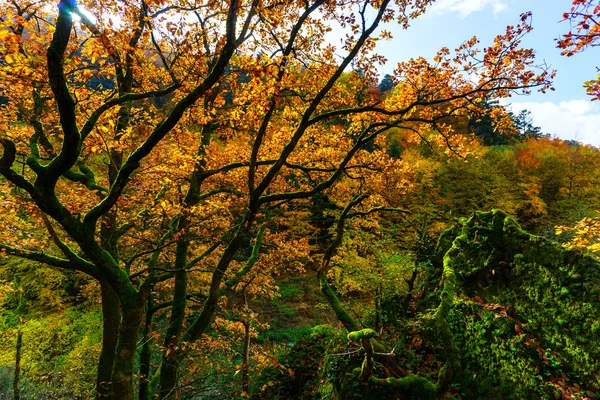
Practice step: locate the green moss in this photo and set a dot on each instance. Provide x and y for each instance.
(362, 334)
(59, 354)
(415, 386)
(290, 291)
(551, 291)
(440, 318)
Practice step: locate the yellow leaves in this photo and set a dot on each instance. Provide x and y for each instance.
(594, 248)
(385, 35)
(537, 206)
(585, 235)
(6, 288)
(4, 33)
(267, 385)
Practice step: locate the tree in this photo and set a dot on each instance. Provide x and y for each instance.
(158, 200)
(584, 17)
(585, 235)
(386, 84)
(483, 125)
(524, 125)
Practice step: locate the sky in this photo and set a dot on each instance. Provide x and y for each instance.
(567, 112)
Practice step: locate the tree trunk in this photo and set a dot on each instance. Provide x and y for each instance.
(111, 319)
(246, 358)
(122, 376)
(334, 302)
(409, 292)
(16, 392)
(378, 295)
(170, 361)
(145, 354)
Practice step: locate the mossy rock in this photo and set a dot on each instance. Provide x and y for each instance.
(551, 291)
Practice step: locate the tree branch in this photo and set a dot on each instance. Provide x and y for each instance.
(164, 127)
(304, 123)
(71, 145)
(83, 265)
(41, 257)
(251, 261)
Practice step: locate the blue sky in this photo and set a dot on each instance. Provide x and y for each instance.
(567, 112)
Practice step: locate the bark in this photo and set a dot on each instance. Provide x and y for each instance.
(330, 295)
(111, 312)
(16, 392)
(334, 302)
(250, 262)
(146, 353)
(111, 319)
(367, 367)
(364, 336)
(147, 384)
(246, 358)
(409, 292)
(170, 361)
(122, 377)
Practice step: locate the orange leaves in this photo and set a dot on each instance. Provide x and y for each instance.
(585, 29)
(506, 59)
(584, 32)
(263, 102)
(20, 225)
(534, 205)
(462, 81)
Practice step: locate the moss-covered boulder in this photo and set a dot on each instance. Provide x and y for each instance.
(526, 315)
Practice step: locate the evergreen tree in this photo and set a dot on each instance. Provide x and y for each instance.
(386, 84)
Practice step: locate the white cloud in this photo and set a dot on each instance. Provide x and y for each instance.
(499, 6)
(577, 107)
(466, 7)
(570, 120)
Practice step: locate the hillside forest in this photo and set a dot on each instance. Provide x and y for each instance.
(207, 199)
